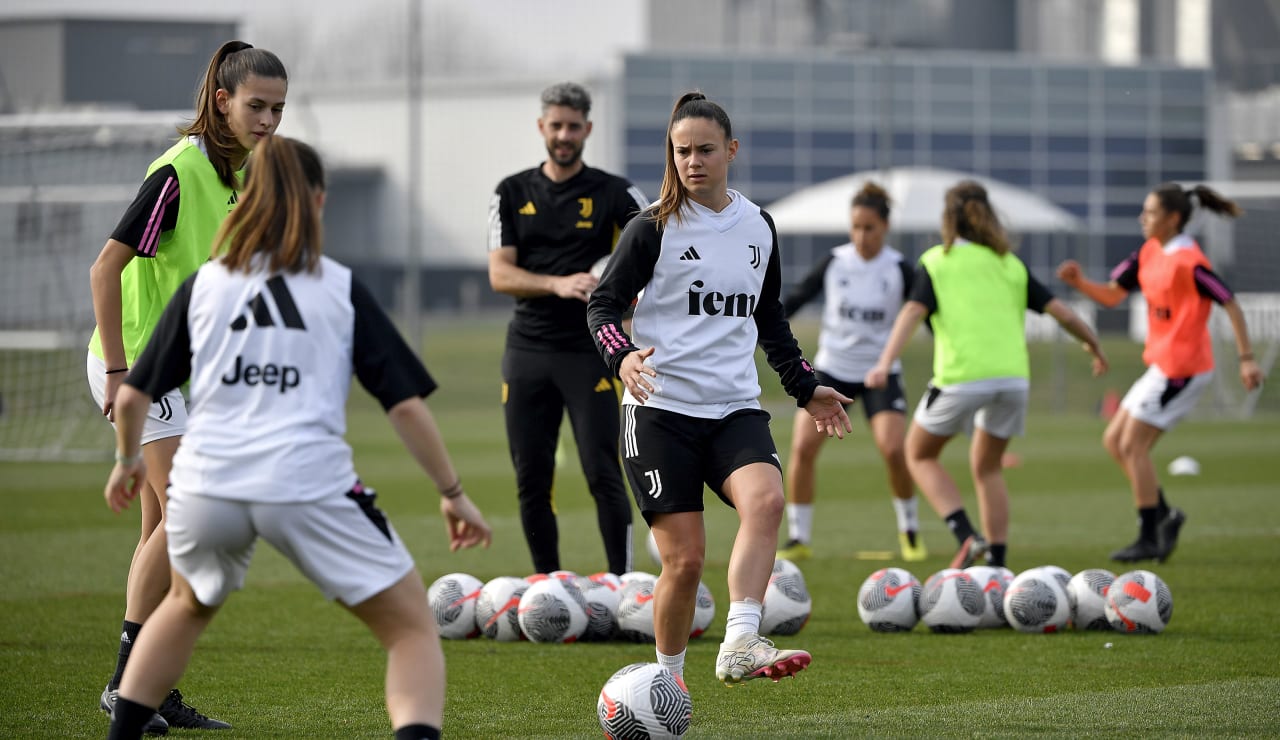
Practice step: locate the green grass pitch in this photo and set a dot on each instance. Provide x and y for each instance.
(281, 662)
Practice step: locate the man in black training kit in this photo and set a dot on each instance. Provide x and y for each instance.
(547, 227)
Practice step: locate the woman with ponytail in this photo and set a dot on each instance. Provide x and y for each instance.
(269, 335)
(864, 283)
(704, 262)
(163, 237)
(975, 293)
(1180, 288)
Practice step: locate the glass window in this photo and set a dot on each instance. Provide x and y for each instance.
(1066, 79)
(1015, 143)
(953, 160)
(1126, 178)
(1133, 116)
(654, 138)
(771, 71)
(773, 138)
(1080, 210)
(846, 108)
(644, 66)
(645, 169)
(1125, 145)
(1068, 177)
(956, 76)
(833, 73)
(1067, 144)
(950, 142)
(1186, 82)
(1014, 175)
(833, 139)
(1122, 210)
(1068, 116)
(773, 173)
(824, 172)
(1170, 175)
(1185, 146)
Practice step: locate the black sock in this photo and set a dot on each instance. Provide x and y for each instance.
(1148, 517)
(958, 523)
(1162, 506)
(128, 719)
(418, 732)
(995, 555)
(128, 636)
(911, 537)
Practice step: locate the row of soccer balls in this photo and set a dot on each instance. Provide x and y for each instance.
(566, 607)
(1043, 599)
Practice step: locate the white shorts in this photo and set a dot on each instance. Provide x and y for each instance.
(997, 407)
(342, 543)
(1161, 401)
(166, 417)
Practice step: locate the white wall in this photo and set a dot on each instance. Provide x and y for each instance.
(473, 135)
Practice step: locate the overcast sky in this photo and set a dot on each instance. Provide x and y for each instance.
(345, 42)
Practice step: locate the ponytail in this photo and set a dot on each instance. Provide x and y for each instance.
(967, 214)
(673, 195)
(277, 215)
(230, 66)
(1173, 198)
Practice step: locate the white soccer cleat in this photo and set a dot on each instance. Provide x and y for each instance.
(752, 656)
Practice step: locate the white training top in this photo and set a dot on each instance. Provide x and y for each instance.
(270, 359)
(862, 300)
(710, 294)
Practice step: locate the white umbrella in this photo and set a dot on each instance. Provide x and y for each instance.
(916, 198)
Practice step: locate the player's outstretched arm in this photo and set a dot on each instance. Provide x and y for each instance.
(1251, 374)
(1075, 326)
(416, 426)
(908, 320)
(1108, 294)
(130, 472)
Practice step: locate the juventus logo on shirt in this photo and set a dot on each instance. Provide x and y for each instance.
(755, 255)
(261, 312)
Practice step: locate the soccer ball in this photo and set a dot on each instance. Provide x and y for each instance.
(452, 599)
(602, 608)
(889, 600)
(553, 610)
(1062, 575)
(991, 581)
(1139, 602)
(607, 578)
(1036, 601)
(1087, 595)
(951, 602)
(704, 610)
(787, 605)
(497, 609)
(635, 611)
(644, 700)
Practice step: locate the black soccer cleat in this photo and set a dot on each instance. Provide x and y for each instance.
(1167, 532)
(154, 726)
(1140, 550)
(181, 714)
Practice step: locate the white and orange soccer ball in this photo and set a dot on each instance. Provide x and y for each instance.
(889, 600)
(787, 604)
(992, 582)
(1087, 594)
(951, 602)
(553, 610)
(452, 599)
(1139, 602)
(635, 610)
(1036, 601)
(498, 608)
(644, 700)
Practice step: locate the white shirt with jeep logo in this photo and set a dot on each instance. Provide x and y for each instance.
(270, 358)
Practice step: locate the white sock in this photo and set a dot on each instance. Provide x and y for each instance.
(673, 663)
(744, 619)
(800, 522)
(908, 514)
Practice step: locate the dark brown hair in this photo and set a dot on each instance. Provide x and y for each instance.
(672, 195)
(1173, 198)
(277, 214)
(874, 197)
(230, 66)
(968, 215)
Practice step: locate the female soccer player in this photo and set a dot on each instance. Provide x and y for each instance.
(1180, 288)
(269, 335)
(975, 293)
(864, 283)
(169, 227)
(707, 261)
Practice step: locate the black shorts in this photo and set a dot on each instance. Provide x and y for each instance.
(874, 400)
(669, 456)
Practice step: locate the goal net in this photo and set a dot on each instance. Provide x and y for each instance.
(64, 183)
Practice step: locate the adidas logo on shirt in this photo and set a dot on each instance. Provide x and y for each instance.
(261, 312)
(603, 385)
(690, 254)
(233, 199)
(527, 209)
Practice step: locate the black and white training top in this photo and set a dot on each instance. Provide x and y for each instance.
(710, 294)
(270, 359)
(862, 299)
